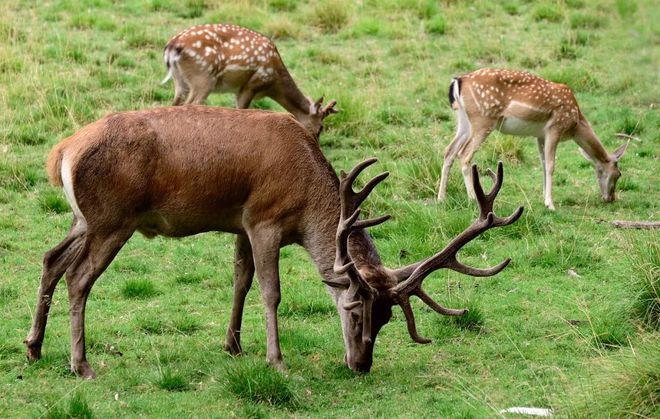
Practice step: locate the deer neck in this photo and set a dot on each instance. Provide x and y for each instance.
(589, 142)
(290, 97)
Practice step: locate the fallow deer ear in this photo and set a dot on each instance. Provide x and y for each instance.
(342, 282)
(585, 155)
(330, 109)
(316, 107)
(619, 152)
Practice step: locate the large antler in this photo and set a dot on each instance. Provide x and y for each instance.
(348, 222)
(447, 257)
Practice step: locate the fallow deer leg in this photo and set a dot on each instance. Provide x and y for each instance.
(181, 89)
(266, 251)
(201, 86)
(549, 153)
(243, 274)
(473, 143)
(452, 150)
(540, 142)
(96, 255)
(55, 263)
(244, 98)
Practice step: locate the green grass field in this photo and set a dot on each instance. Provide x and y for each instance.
(570, 325)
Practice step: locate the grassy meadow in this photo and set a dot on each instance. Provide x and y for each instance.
(571, 324)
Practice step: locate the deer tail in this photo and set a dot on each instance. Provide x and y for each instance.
(454, 92)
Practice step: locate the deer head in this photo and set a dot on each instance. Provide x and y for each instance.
(313, 120)
(365, 296)
(607, 171)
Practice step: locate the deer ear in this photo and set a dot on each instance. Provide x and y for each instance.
(585, 155)
(342, 282)
(351, 306)
(619, 152)
(316, 106)
(330, 109)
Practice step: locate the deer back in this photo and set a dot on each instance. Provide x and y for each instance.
(184, 170)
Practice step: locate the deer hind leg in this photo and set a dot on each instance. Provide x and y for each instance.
(201, 85)
(451, 151)
(181, 88)
(549, 153)
(472, 144)
(96, 255)
(56, 261)
(265, 243)
(243, 274)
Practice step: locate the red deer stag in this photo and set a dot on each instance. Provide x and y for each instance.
(180, 171)
(520, 103)
(230, 58)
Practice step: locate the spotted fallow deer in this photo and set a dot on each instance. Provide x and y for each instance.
(230, 58)
(180, 171)
(522, 104)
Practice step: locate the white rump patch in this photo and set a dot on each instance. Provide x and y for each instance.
(67, 182)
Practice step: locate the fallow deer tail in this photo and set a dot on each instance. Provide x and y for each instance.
(454, 92)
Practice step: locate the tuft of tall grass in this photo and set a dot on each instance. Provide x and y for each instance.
(579, 79)
(473, 320)
(193, 9)
(548, 12)
(436, 25)
(76, 408)
(645, 259)
(626, 8)
(259, 383)
(625, 384)
(281, 27)
(332, 16)
(172, 381)
(507, 148)
(52, 201)
(138, 289)
(587, 21)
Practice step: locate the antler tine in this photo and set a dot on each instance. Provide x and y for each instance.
(486, 200)
(410, 321)
(419, 292)
(447, 257)
(350, 201)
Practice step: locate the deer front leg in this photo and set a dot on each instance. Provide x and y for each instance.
(243, 274)
(550, 151)
(266, 252)
(540, 142)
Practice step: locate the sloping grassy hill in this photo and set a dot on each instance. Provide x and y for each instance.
(563, 326)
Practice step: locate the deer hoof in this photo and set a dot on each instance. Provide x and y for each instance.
(33, 352)
(83, 370)
(278, 364)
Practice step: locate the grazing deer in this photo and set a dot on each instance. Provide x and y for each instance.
(230, 58)
(520, 103)
(180, 171)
